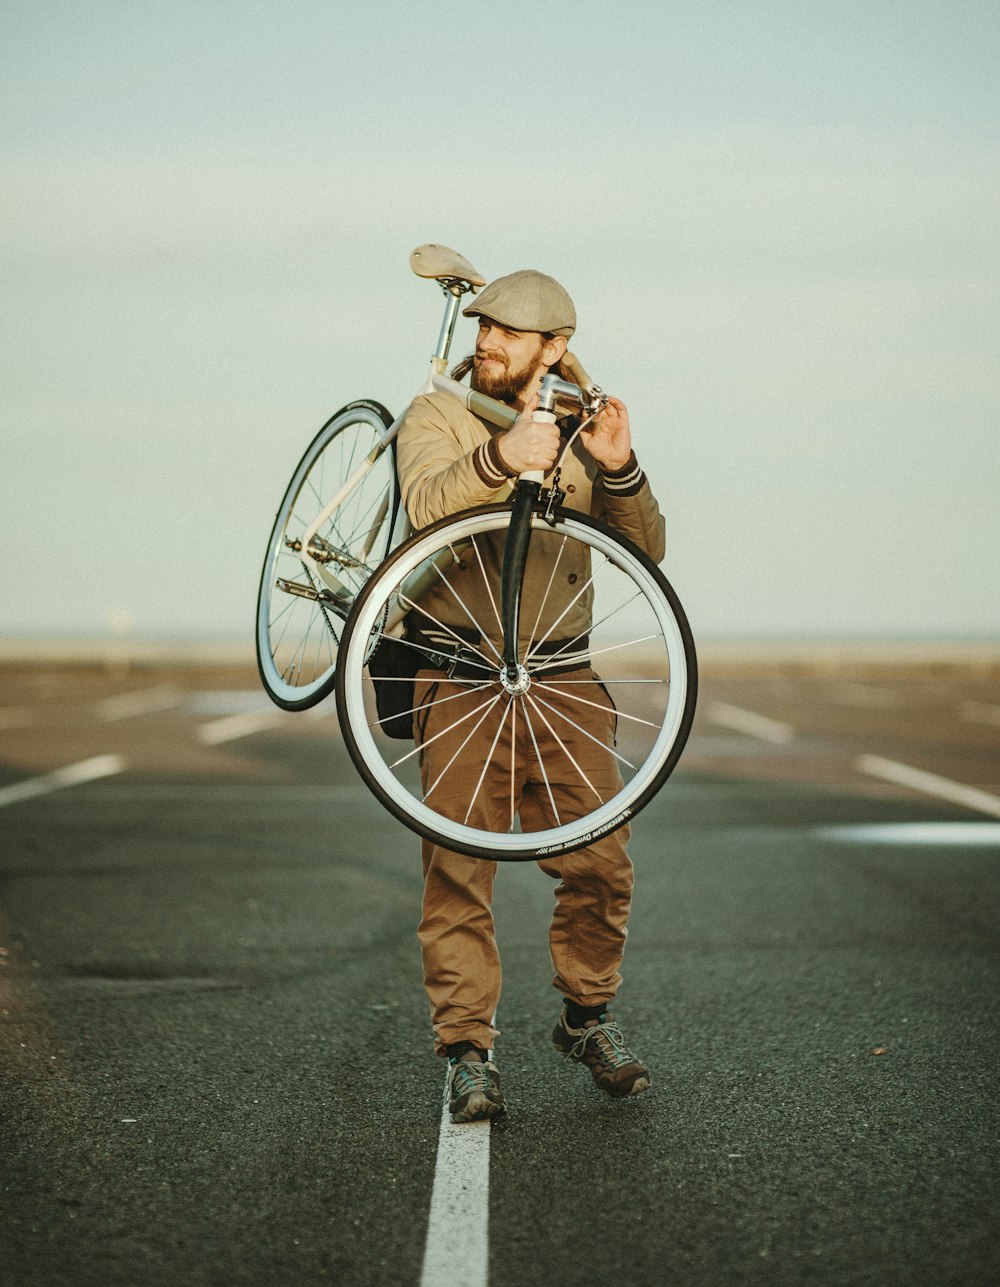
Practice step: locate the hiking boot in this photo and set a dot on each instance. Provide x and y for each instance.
(600, 1045)
(473, 1089)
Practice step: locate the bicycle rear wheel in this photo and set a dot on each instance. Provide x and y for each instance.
(302, 605)
(532, 769)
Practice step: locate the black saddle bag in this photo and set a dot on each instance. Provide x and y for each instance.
(394, 664)
(393, 668)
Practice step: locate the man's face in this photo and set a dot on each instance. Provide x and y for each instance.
(506, 363)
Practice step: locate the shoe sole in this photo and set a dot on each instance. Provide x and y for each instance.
(641, 1083)
(477, 1110)
(638, 1086)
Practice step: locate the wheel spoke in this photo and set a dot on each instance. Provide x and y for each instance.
(355, 532)
(605, 681)
(442, 732)
(592, 629)
(467, 610)
(572, 603)
(469, 736)
(425, 706)
(565, 749)
(580, 729)
(488, 760)
(433, 656)
(541, 765)
(486, 583)
(273, 620)
(323, 638)
(600, 652)
(545, 596)
(585, 701)
(411, 604)
(294, 662)
(513, 762)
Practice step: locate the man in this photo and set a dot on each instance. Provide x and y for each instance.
(448, 460)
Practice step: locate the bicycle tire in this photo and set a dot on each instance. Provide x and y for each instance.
(298, 636)
(655, 708)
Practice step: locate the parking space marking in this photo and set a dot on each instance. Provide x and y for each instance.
(749, 722)
(148, 701)
(233, 726)
(99, 766)
(457, 1249)
(929, 784)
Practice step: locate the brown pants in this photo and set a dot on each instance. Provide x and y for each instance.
(457, 935)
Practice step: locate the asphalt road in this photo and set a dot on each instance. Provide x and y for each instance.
(216, 1065)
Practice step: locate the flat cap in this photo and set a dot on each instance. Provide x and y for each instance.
(526, 301)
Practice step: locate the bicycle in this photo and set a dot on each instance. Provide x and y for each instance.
(519, 665)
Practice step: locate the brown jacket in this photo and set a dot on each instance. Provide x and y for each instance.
(445, 465)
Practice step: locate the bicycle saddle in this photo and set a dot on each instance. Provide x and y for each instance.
(441, 263)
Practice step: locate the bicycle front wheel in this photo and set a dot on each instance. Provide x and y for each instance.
(303, 602)
(568, 751)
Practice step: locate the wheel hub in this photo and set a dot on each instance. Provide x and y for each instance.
(515, 680)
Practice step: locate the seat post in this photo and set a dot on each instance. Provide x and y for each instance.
(452, 300)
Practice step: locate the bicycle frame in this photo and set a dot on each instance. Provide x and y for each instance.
(526, 494)
(496, 412)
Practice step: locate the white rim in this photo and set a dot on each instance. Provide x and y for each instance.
(300, 693)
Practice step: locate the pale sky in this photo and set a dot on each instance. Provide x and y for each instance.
(778, 222)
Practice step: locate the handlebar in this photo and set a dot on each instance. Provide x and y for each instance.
(585, 396)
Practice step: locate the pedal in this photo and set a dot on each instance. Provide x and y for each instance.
(322, 551)
(341, 606)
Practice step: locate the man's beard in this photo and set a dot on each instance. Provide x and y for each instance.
(507, 384)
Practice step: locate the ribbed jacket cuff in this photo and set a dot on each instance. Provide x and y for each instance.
(626, 481)
(489, 465)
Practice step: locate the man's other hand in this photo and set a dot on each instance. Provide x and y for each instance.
(608, 438)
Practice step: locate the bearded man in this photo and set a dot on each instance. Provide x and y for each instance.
(449, 460)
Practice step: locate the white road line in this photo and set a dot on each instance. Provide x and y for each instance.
(742, 721)
(228, 701)
(457, 1249)
(248, 795)
(980, 712)
(100, 766)
(233, 726)
(929, 784)
(915, 833)
(15, 717)
(146, 702)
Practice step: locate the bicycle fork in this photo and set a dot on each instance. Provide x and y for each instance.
(515, 556)
(529, 485)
